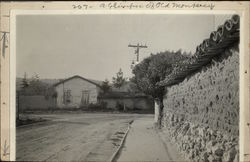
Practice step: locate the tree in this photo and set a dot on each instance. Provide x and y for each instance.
(25, 83)
(105, 86)
(152, 70)
(119, 80)
(36, 87)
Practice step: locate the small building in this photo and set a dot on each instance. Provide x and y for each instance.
(126, 97)
(127, 101)
(76, 92)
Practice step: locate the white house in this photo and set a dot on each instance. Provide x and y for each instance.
(76, 92)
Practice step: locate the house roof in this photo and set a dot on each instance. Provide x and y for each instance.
(225, 36)
(99, 82)
(77, 76)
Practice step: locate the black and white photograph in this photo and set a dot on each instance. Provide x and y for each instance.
(127, 87)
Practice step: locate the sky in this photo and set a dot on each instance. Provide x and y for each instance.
(96, 46)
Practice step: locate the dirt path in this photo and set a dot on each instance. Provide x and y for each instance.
(78, 137)
(143, 143)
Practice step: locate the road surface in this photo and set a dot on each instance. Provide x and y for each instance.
(72, 137)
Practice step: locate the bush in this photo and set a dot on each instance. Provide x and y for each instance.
(96, 106)
(119, 106)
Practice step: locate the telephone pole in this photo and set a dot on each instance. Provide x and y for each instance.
(137, 49)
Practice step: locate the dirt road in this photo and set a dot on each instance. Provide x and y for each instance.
(78, 137)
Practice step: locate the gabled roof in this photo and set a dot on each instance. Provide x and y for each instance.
(99, 82)
(76, 76)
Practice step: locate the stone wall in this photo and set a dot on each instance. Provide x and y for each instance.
(202, 112)
(139, 103)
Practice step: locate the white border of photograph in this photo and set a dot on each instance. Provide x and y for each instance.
(14, 13)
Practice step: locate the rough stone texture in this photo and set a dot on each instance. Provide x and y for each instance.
(202, 112)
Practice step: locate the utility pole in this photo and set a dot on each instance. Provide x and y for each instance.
(137, 50)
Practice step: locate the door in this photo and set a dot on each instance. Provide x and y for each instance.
(85, 98)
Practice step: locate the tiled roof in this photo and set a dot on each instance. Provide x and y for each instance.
(226, 35)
